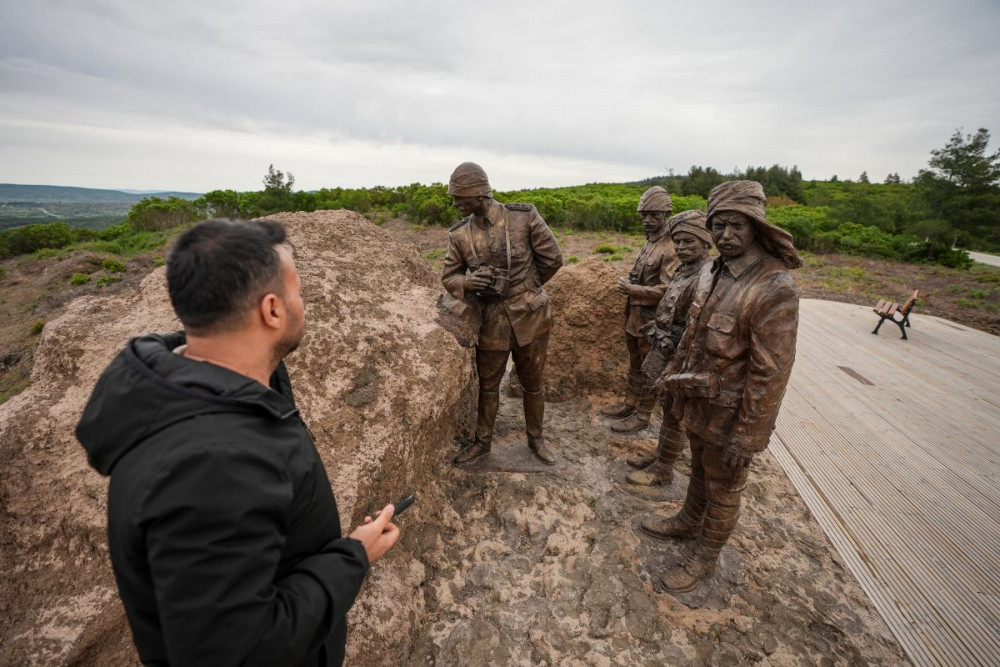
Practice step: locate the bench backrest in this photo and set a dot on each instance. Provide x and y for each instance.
(908, 306)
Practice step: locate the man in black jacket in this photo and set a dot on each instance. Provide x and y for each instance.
(224, 533)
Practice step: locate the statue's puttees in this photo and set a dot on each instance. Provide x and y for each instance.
(499, 256)
(692, 241)
(730, 371)
(643, 289)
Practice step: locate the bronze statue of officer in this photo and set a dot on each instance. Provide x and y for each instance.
(499, 256)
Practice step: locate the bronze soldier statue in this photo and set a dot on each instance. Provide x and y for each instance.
(729, 374)
(499, 256)
(643, 289)
(692, 242)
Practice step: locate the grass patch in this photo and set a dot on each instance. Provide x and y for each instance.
(436, 253)
(573, 259)
(159, 260)
(605, 249)
(108, 280)
(113, 266)
(79, 279)
(37, 326)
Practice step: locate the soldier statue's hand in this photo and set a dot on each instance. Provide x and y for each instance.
(477, 281)
(624, 286)
(735, 456)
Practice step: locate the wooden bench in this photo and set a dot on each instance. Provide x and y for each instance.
(887, 310)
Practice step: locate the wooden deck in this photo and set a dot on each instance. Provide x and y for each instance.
(895, 447)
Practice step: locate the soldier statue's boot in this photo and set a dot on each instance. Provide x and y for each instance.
(639, 419)
(643, 461)
(489, 404)
(721, 515)
(628, 406)
(686, 524)
(534, 415)
(691, 572)
(660, 469)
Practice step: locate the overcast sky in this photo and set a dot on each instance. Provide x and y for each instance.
(202, 95)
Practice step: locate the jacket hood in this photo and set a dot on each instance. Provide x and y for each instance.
(148, 387)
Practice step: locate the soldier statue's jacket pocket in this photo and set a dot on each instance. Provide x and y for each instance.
(719, 338)
(537, 299)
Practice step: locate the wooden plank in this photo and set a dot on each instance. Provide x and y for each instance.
(902, 473)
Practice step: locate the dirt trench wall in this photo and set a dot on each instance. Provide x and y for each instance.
(586, 353)
(383, 387)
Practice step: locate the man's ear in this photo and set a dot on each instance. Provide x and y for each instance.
(272, 311)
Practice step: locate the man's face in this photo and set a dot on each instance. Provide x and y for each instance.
(466, 205)
(653, 220)
(733, 232)
(689, 247)
(292, 298)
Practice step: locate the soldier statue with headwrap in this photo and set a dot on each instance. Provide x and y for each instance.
(643, 289)
(498, 258)
(692, 241)
(730, 371)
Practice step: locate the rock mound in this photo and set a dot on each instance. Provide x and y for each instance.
(381, 384)
(586, 352)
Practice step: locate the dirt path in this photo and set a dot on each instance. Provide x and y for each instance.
(530, 565)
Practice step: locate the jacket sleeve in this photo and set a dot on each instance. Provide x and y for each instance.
(650, 295)
(774, 323)
(548, 257)
(216, 527)
(455, 268)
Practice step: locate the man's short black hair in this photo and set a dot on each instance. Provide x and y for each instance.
(219, 268)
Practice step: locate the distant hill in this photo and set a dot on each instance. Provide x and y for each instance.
(53, 194)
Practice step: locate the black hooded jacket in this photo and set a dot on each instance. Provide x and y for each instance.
(224, 533)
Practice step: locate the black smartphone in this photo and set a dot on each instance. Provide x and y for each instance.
(402, 504)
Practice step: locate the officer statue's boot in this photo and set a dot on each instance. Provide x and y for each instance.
(639, 419)
(489, 404)
(660, 471)
(626, 407)
(686, 524)
(534, 414)
(720, 519)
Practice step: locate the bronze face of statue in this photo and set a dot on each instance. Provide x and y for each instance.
(730, 371)
(643, 288)
(692, 242)
(498, 258)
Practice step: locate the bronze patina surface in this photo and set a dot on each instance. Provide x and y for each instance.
(498, 258)
(643, 288)
(730, 370)
(692, 242)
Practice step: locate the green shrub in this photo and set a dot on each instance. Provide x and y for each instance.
(573, 259)
(108, 280)
(158, 260)
(79, 279)
(979, 293)
(36, 327)
(29, 238)
(113, 266)
(606, 249)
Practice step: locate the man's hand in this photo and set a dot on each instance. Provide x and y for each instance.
(378, 534)
(624, 286)
(736, 457)
(477, 281)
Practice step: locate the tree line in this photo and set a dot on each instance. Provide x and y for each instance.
(955, 201)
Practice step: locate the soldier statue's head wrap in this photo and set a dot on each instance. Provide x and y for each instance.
(691, 222)
(747, 197)
(655, 199)
(468, 180)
